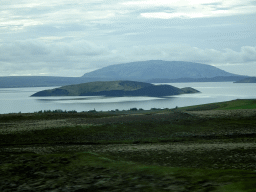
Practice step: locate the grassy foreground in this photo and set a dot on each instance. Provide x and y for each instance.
(200, 148)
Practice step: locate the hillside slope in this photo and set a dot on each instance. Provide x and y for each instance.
(115, 88)
(156, 69)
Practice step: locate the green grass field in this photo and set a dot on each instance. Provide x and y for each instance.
(228, 105)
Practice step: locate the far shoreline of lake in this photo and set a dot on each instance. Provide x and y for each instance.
(15, 100)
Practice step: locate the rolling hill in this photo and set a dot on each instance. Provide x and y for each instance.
(158, 69)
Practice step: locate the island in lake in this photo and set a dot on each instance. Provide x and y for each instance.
(116, 89)
(247, 80)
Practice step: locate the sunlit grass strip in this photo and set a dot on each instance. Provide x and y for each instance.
(228, 105)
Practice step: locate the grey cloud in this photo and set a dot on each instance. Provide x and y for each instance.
(70, 37)
(214, 4)
(76, 56)
(57, 13)
(188, 53)
(248, 53)
(31, 49)
(152, 10)
(38, 55)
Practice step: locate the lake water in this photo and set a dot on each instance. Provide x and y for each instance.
(14, 100)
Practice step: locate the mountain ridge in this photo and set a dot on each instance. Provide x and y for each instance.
(155, 69)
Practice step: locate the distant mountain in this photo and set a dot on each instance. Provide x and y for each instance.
(184, 80)
(247, 80)
(115, 89)
(157, 69)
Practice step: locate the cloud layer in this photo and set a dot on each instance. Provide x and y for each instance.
(69, 38)
(77, 57)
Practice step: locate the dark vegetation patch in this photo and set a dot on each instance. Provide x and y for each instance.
(138, 129)
(216, 169)
(219, 158)
(48, 114)
(93, 172)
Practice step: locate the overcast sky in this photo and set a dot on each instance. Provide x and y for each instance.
(72, 37)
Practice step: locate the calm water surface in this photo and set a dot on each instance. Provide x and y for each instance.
(14, 100)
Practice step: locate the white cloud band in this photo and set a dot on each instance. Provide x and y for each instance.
(42, 57)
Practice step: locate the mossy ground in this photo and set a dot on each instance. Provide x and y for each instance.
(160, 150)
(94, 172)
(230, 105)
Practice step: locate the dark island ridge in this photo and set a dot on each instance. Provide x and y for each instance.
(115, 89)
(247, 80)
